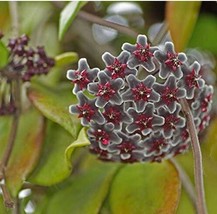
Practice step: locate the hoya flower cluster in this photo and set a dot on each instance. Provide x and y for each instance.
(24, 62)
(131, 107)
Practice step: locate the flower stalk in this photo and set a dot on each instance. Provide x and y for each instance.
(197, 155)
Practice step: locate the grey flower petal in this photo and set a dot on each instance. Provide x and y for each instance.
(117, 84)
(128, 47)
(140, 106)
(82, 64)
(141, 39)
(124, 56)
(73, 109)
(92, 87)
(127, 95)
(99, 118)
(182, 57)
(116, 99)
(100, 102)
(131, 128)
(133, 63)
(108, 58)
(70, 74)
(157, 120)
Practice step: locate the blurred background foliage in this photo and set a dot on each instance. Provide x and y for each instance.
(47, 173)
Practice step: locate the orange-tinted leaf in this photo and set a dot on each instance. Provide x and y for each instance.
(145, 188)
(181, 17)
(26, 150)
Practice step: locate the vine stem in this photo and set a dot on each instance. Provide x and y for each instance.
(198, 166)
(95, 19)
(16, 91)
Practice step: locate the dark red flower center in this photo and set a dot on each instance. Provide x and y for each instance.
(81, 79)
(105, 91)
(126, 147)
(144, 122)
(143, 53)
(117, 69)
(156, 145)
(169, 95)
(86, 111)
(102, 136)
(172, 61)
(170, 122)
(112, 115)
(141, 92)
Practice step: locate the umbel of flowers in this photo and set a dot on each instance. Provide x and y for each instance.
(131, 107)
(24, 62)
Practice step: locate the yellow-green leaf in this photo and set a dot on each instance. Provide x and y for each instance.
(26, 151)
(54, 104)
(181, 18)
(66, 58)
(53, 167)
(81, 141)
(145, 188)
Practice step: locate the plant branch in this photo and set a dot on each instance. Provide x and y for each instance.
(186, 182)
(198, 167)
(14, 17)
(95, 19)
(16, 91)
(6, 197)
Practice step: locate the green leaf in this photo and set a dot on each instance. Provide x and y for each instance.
(53, 104)
(204, 35)
(66, 58)
(67, 16)
(181, 17)
(85, 193)
(145, 188)
(26, 150)
(81, 141)
(3, 55)
(53, 167)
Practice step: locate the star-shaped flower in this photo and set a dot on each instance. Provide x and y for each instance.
(169, 93)
(116, 67)
(128, 150)
(191, 79)
(156, 144)
(146, 121)
(83, 76)
(103, 135)
(173, 121)
(140, 92)
(86, 110)
(116, 115)
(141, 53)
(170, 61)
(106, 90)
(203, 101)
